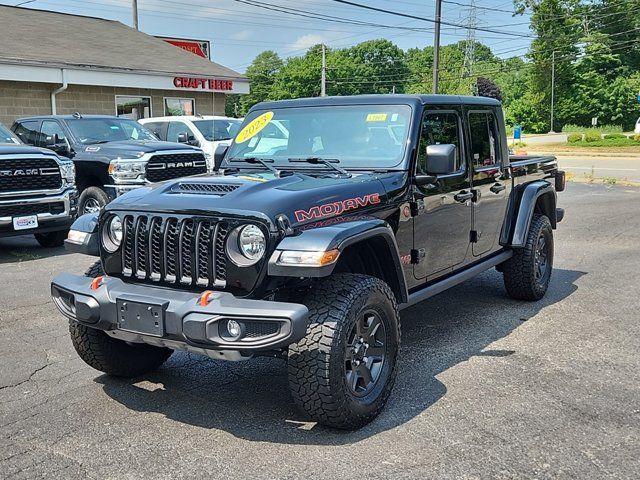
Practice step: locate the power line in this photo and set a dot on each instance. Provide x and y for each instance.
(426, 19)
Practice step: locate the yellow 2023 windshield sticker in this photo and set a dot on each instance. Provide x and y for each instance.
(254, 127)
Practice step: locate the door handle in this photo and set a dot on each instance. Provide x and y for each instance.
(497, 188)
(463, 196)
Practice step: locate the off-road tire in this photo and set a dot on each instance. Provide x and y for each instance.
(316, 364)
(89, 195)
(95, 270)
(519, 271)
(51, 239)
(112, 356)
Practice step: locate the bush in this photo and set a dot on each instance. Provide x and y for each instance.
(574, 137)
(571, 128)
(612, 136)
(592, 136)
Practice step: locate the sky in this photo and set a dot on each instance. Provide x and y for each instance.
(238, 32)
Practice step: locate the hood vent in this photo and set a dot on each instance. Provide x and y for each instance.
(219, 189)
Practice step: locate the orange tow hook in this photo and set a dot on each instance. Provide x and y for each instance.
(96, 282)
(204, 298)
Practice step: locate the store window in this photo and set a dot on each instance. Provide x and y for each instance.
(133, 107)
(179, 106)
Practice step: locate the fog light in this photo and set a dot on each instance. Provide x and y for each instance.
(234, 330)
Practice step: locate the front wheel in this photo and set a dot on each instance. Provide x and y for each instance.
(91, 200)
(528, 272)
(110, 355)
(342, 372)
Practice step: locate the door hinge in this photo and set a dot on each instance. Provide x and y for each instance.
(474, 236)
(417, 255)
(417, 207)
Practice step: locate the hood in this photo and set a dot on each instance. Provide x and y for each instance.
(302, 198)
(132, 148)
(19, 149)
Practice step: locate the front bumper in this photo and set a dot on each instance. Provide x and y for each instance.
(184, 324)
(47, 222)
(115, 190)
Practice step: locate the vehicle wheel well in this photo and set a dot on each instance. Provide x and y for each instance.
(85, 182)
(546, 205)
(372, 257)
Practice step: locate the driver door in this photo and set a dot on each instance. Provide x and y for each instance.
(442, 226)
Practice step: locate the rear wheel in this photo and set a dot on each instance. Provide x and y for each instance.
(92, 199)
(342, 372)
(51, 239)
(528, 272)
(110, 355)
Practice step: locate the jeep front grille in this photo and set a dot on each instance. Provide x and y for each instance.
(21, 174)
(166, 166)
(173, 250)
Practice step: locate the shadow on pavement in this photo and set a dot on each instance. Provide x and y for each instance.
(24, 248)
(251, 399)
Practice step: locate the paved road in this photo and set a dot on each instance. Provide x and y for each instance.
(621, 168)
(488, 387)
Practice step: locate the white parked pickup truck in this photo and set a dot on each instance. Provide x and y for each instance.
(204, 131)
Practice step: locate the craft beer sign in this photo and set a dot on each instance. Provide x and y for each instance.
(199, 83)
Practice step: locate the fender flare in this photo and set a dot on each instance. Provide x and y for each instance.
(520, 213)
(339, 236)
(87, 223)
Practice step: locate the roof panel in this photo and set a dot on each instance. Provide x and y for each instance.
(76, 40)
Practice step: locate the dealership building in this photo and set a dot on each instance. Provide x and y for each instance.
(56, 63)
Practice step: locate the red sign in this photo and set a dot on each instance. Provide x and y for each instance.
(197, 83)
(202, 48)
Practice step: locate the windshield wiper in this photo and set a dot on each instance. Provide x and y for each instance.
(265, 162)
(329, 162)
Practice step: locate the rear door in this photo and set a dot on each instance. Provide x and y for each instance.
(441, 228)
(490, 186)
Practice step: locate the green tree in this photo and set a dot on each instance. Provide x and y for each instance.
(262, 73)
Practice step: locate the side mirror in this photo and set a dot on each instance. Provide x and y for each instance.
(423, 180)
(218, 156)
(183, 137)
(192, 141)
(54, 143)
(441, 159)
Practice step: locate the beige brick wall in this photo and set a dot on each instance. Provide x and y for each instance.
(21, 99)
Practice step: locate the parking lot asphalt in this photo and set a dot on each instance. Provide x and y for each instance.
(488, 387)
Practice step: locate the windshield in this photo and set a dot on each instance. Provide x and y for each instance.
(101, 130)
(215, 130)
(6, 136)
(359, 136)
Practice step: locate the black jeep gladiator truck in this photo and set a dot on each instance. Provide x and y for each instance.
(37, 192)
(112, 155)
(307, 248)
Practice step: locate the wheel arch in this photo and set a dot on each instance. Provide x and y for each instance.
(535, 197)
(366, 246)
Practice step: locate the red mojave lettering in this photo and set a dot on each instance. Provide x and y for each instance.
(336, 208)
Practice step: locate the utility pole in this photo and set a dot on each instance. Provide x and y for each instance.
(436, 48)
(323, 85)
(135, 14)
(553, 85)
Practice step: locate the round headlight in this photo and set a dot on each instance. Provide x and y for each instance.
(252, 242)
(112, 234)
(246, 245)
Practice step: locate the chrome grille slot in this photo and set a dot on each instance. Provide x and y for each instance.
(141, 247)
(170, 250)
(185, 257)
(127, 248)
